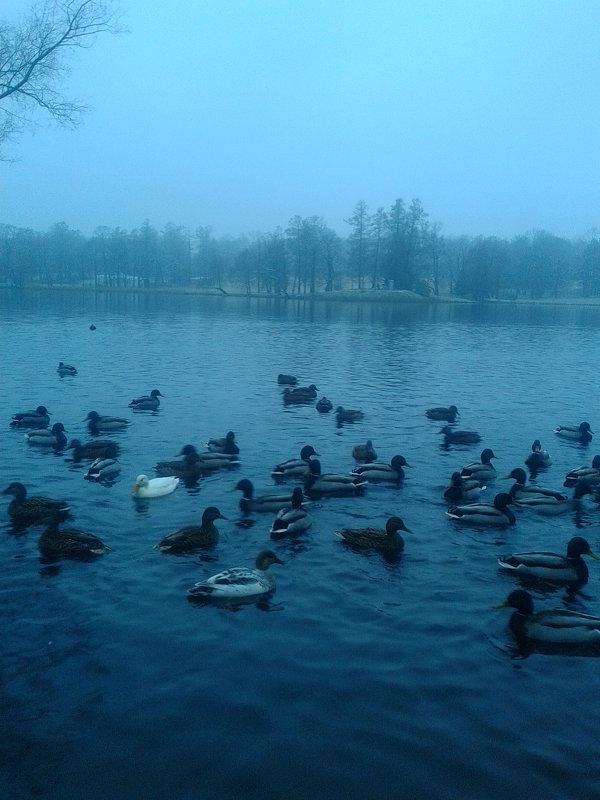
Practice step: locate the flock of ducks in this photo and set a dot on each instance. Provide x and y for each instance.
(291, 515)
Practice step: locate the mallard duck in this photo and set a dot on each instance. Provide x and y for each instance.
(538, 458)
(348, 414)
(482, 470)
(287, 380)
(324, 405)
(556, 626)
(193, 536)
(293, 519)
(227, 444)
(40, 418)
(97, 423)
(294, 466)
(317, 484)
(554, 502)
(589, 474)
(364, 452)
(239, 582)
(459, 437)
(103, 470)
(147, 402)
(463, 489)
(301, 394)
(496, 513)
(576, 433)
(441, 413)
(267, 502)
(551, 566)
(69, 543)
(376, 538)
(44, 437)
(154, 487)
(377, 471)
(65, 369)
(194, 462)
(97, 448)
(522, 490)
(24, 511)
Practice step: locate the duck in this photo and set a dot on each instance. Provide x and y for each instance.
(103, 470)
(348, 414)
(551, 566)
(522, 490)
(459, 437)
(364, 452)
(146, 488)
(227, 444)
(40, 418)
(387, 539)
(98, 423)
(317, 484)
(238, 582)
(147, 402)
(293, 519)
(463, 489)
(267, 502)
(555, 626)
(294, 466)
(194, 462)
(443, 413)
(482, 470)
(554, 502)
(576, 433)
(44, 437)
(65, 369)
(284, 379)
(538, 458)
(378, 471)
(24, 511)
(97, 448)
(301, 394)
(324, 405)
(69, 543)
(193, 536)
(496, 513)
(590, 474)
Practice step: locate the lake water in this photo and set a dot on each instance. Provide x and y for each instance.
(361, 676)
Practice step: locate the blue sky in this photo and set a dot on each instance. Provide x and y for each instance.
(239, 115)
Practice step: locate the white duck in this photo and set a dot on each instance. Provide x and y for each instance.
(154, 487)
(238, 582)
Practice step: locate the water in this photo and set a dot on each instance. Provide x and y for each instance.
(361, 676)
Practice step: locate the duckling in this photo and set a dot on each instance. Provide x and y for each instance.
(376, 538)
(40, 418)
(589, 474)
(268, 502)
(227, 445)
(324, 405)
(291, 520)
(551, 566)
(459, 437)
(287, 380)
(520, 490)
(538, 458)
(299, 395)
(463, 489)
(97, 448)
(441, 413)
(146, 488)
(24, 511)
(378, 472)
(69, 543)
(103, 470)
(294, 466)
(364, 452)
(147, 402)
(239, 582)
(556, 626)
(65, 369)
(193, 536)
(576, 433)
(552, 504)
(348, 414)
(317, 484)
(497, 513)
(97, 423)
(482, 470)
(42, 437)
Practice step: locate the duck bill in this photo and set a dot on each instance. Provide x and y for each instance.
(591, 554)
(502, 604)
(135, 489)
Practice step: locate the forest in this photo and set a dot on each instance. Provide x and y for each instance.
(393, 248)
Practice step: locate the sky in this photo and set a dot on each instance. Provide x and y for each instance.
(240, 115)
